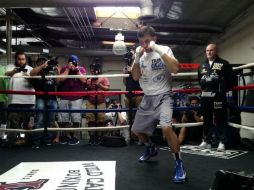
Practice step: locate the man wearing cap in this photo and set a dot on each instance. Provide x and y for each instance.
(71, 102)
(96, 101)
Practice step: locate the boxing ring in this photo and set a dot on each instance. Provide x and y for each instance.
(129, 173)
(108, 93)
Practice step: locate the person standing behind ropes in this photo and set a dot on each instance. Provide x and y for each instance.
(96, 101)
(71, 102)
(191, 116)
(131, 100)
(45, 67)
(215, 76)
(153, 65)
(17, 101)
(3, 101)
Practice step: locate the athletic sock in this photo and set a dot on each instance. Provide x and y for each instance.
(149, 143)
(177, 156)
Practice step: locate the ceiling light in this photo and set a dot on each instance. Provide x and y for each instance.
(2, 50)
(118, 12)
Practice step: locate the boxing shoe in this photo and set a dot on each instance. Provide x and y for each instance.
(180, 174)
(149, 152)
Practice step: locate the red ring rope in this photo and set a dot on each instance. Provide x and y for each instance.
(84, 93)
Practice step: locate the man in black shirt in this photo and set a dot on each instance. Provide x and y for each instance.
(131, 100)
(215, 77)
(46, 68)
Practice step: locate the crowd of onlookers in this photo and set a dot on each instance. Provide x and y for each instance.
(45, 67)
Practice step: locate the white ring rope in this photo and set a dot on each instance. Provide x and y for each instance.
(240, 126)
(184, 74)
(70, 76)
(248, 65)
(66, 129)
(245, 66)
(178, 125)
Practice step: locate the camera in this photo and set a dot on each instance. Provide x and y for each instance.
(51, 61)
(19, 69)
(95, 67)
(128, 57)
(114, 106)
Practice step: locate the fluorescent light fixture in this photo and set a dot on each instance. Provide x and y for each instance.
(45, 50)
(62, 29)
(13, 28)
(163, 33)
(23, 41)
(2, 50)
(49, 11)
(119, 12)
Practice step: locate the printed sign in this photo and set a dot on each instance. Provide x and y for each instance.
(227, 154)
(80, 175)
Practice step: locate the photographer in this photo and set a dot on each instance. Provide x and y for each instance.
(96, 101)
(131, 100)
(191, 116)
(47, 68)
(71, 102)
(118, 119)
(19, 119)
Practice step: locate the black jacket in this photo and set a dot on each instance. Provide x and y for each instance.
(217, 78)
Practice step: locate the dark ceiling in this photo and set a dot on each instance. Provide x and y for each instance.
(184, 25)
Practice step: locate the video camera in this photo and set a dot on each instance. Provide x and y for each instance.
(128, 57)
(51, 61)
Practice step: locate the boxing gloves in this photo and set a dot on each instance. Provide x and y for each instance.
(138, 53)
(159, 49)
(152, 45)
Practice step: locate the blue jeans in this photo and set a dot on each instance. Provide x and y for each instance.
(52, 104)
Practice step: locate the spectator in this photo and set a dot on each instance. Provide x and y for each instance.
(180, 131)
(191, 116)
(20, 119)
(118, 119)
(71, 102)
(96, 101)
(3, 97)
(3, 101)
(45, 67)
(131, 100)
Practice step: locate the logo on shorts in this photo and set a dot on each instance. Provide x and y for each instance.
(29, 185)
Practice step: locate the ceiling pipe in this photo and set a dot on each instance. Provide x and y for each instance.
(65, 3)
(78, 22)
(73, 25)
(8, 35)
